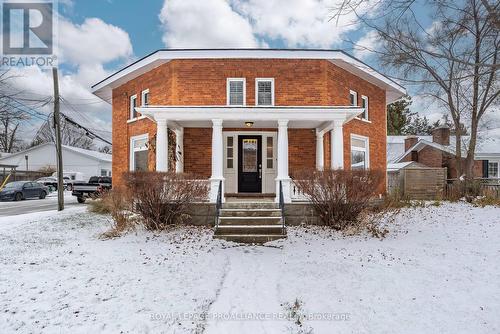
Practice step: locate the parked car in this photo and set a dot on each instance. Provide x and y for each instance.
(19, 190)
(51, 182)
(96, 186)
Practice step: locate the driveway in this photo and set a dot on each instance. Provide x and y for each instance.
(35, 205)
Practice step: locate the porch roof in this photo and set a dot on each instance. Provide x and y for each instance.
(319, 117)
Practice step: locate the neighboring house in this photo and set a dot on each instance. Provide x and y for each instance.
(250, 118)
(439, 150)
(89, 163)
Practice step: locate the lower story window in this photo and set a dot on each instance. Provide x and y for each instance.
(492, 169)
(139, 153)
(359, 152)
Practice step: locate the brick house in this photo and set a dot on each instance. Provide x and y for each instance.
(438, 150)
(248, 117)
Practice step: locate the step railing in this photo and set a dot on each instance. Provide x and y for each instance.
(218, 205)
(282, 208)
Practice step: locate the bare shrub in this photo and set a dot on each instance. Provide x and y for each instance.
(339, 196)
(162, 199)
(117, 203)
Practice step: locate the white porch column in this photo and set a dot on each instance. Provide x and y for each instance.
(161, 145)
(320, 159)
(337, 147)
(283, 175)
(179, 152)
(217, 160)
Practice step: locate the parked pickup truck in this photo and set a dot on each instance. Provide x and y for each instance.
(93, 189)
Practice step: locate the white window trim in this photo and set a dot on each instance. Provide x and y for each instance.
(355, 98)
(228, 80)
(367, 119)
(131, 110)
(132, 149)
(143, 93)
(257, 80)
(366, 150)
(498, 169)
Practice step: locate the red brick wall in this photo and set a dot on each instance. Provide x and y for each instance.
(198, 151)
(301, 150)
(203, 82)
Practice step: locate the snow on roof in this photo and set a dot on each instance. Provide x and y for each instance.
(397, 166)
(488, 145)
(93, 154)
(89, 153)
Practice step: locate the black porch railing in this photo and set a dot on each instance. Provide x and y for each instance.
(282, 208)
(218, 204)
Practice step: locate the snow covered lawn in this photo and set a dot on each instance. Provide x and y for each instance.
(438, 271)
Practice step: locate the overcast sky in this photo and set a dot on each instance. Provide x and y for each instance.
(98, 37)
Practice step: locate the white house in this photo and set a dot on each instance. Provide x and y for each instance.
(89, 163)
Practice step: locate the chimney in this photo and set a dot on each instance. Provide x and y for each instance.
(441, 135)
(410, 141)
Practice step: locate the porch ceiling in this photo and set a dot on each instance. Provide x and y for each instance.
(318, 117)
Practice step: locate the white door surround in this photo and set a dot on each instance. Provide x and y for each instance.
(231, 172)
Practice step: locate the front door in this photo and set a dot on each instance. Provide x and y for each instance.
(250, 164)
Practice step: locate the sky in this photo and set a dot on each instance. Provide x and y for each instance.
(98, 37)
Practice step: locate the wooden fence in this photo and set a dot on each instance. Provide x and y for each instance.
(456, 189)
(418, 183)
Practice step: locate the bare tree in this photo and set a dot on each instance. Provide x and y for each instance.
(455, 60)
(70, 135)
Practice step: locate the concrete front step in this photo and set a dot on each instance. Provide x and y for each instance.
(250, 238)
(250, 205)
(250, 221)
(250, 213)
(249, 229)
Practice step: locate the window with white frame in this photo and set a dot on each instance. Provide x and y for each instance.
(230, 152)
(360, 152)
(236, 91)
(492, 169)
(353, 98)
(270, 153)
(133, 105)
(139, 153)
(145, 97)
(364, 105)
(104, 172)
(264, 92)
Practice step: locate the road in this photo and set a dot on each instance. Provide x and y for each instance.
(35, 205)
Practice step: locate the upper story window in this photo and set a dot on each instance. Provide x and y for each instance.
(353, 98)
(236, 91)
(264, 92)
(360, 152)
(364, 104)
(145, 97)
(133, 105)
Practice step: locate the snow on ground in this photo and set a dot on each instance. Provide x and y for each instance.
(436, 272)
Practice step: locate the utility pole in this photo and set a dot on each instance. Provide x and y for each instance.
(57, 128)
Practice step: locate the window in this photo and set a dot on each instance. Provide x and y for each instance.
(230, 152)
(264, 92)
(359, 152)
(364, 104)
(133, 105)
(270, 152)
(492, 169)
(139, 153)
(236, 92)
(145, 97)
(104, 172)
(353, 98)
